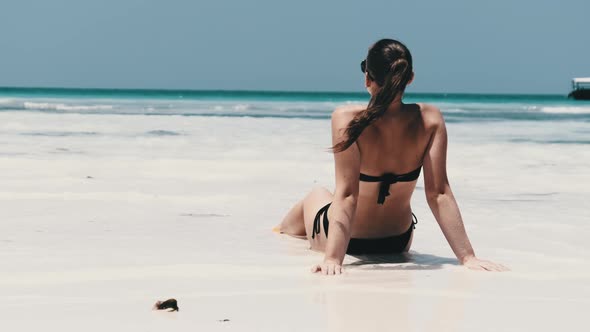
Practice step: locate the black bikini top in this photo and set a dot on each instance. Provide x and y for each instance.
(388, 179)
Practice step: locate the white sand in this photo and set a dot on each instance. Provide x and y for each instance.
(190, 217)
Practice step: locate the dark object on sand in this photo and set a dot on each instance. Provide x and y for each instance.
(168, 304)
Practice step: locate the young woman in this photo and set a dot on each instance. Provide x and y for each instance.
(379, 151)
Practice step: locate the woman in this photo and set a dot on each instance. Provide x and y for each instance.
(387, 143)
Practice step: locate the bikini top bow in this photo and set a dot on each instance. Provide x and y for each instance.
(388, 179)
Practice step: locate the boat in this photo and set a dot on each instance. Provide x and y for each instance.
(580, 88)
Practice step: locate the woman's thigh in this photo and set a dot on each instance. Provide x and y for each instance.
(312, 203)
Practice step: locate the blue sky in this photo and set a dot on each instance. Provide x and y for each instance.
(497, 46)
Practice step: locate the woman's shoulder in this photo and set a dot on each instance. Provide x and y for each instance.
(348, 110)
(431, 115)
(343, 114)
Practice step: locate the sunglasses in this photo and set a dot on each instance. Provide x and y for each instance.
(364, 69)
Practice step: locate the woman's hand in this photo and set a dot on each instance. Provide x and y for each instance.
(475, 263)
(328, 268)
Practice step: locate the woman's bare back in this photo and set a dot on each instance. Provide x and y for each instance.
(395, 143)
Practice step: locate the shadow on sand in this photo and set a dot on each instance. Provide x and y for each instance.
(405, 261)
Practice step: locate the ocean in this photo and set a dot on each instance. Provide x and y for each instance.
(457, 108)
(282, 104)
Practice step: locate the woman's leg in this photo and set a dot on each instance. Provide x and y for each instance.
(299, 220)
(292, 223)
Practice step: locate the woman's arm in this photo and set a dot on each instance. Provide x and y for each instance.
(342, 210)
(440, 197)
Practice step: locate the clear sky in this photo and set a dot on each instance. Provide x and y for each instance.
(501, 46)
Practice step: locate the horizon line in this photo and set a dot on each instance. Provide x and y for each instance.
(257, 91)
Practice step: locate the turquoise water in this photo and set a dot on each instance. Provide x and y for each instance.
(281, 104)
(261, 95)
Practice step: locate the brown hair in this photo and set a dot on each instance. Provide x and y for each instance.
(389, 64)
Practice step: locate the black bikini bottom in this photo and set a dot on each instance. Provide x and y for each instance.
(386, 245)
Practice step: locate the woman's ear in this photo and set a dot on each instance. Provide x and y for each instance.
(371, 86)
(367, 81)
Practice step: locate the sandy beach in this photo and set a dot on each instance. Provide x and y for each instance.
(103, 215)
